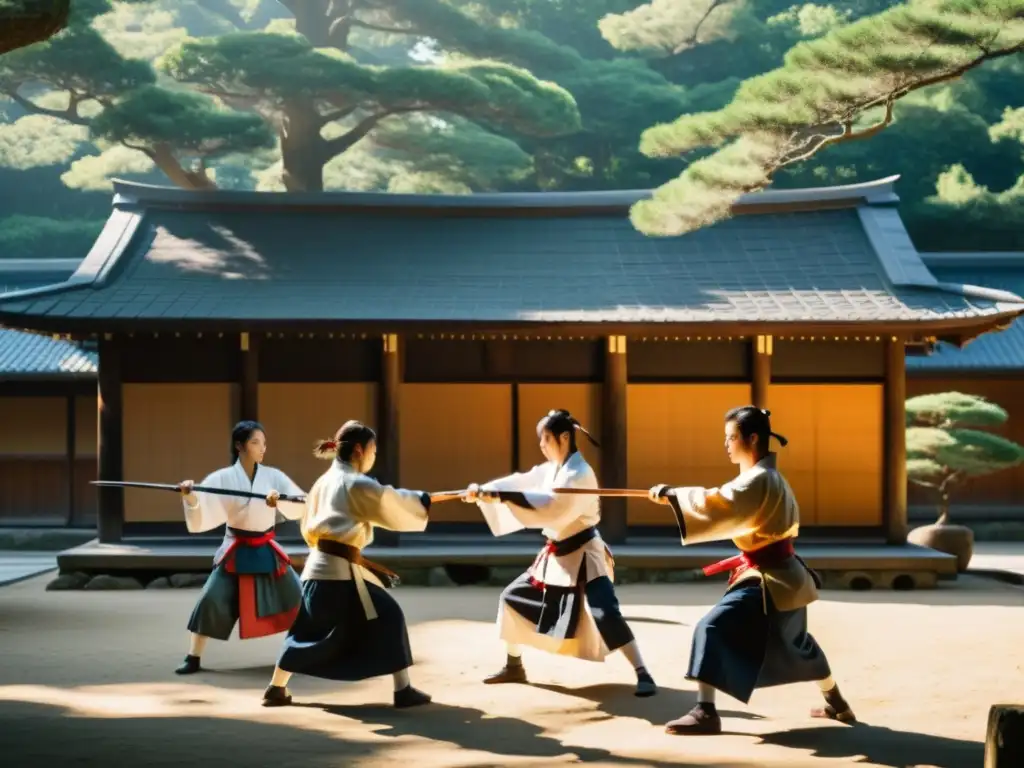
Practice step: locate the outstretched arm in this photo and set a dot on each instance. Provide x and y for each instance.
(206, 511)
(533, 508)
(395, 509)
(291, 510)
(713, 514)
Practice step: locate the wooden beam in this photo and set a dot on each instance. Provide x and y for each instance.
(760, 370)
(110, 447)
(388, 391)
(894, 451)
(515, 428)
(70, 439)
(249, 377)
(613, 439)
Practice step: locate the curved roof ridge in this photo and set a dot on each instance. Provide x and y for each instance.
(129, 193)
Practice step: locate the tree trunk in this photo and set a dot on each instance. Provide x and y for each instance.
(943, 510)
(165, 160)
(303, 148)
(325, 23)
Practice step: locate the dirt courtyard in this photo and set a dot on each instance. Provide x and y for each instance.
(86, 680)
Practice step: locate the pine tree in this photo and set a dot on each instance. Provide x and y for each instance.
(821, 96)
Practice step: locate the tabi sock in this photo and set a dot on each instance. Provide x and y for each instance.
(402, 680)
(632, 653)
(514, 655)
(280, 678)
(705, 697)
(196, 644)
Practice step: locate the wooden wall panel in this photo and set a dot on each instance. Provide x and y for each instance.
(33, 426)
(297, 415)
(1000, 488)
(172, 432)
(33, 489)
(834, 460)
(452, 435)
(86, 417)
(677, 435)
(86, 498)
(581, 400)
(794, 415)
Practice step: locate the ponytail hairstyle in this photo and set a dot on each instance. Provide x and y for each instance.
(559, 422)
(751, 420)
(343, 444)
(240, 435)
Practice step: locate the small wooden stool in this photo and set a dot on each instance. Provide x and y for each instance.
(1004, 737)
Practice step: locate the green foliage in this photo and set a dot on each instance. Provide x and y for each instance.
(960, 452)
(669, 27)
(945, 445)
(953, 409)
(474, 95)
(38, 140)
(37, 237)
(191, 122)
(814, 100)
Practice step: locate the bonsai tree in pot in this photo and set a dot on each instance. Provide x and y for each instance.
(947, 443)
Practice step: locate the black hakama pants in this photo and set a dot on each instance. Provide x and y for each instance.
(332, 638)
(739, 646)
(556, 611)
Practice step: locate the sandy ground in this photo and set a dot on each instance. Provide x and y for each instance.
(86, 680)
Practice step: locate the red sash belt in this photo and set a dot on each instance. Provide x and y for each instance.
(766, 557)
(256, 541)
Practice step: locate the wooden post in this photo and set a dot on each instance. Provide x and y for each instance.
(109, 438)
(249, 378)
(1004, 737)
(70, 452)
(894, 511)
(515, 428)
(387, 424)
(613, 439)
(760, 370)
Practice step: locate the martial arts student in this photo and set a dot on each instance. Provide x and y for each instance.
(349, 628)
(756, 636)
(252, 582)
(565, 602)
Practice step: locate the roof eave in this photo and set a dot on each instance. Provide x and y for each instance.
(133, 195)
(955, 330)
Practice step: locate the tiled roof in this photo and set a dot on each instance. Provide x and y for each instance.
(250, 257)
(29, 355)
(993, 352)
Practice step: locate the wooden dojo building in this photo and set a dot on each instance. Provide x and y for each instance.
(453, 323)
(47, 415)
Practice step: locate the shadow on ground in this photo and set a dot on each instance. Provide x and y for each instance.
(36, 735)
(618, 700)
(474, 729)
(882, 746)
